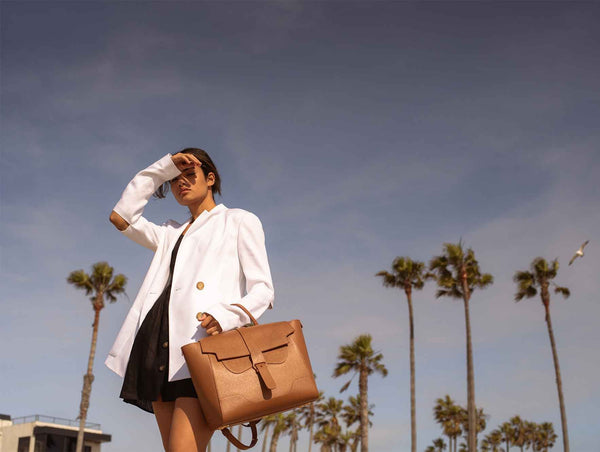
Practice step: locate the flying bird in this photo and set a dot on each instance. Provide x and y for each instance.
(579, 252)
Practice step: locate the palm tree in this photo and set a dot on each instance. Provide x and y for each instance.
(530, 433)
(279, 426)
(451, 417)
(328, 412)
(492, 441)
(265, 424)
(481, 423)
(408, 274)
(540, 276)
(329, 437)
(354, 438)
(360, 358)
(100, 284)
(308, 414)
(438, 446)
(545, 436)
(518, 429)
(507, 432)
(351, 415)
(457, 275)
(292, 426)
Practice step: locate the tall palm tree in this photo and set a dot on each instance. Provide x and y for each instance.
(457, 274)
(451, 418)
(100, 284)
(540, 277)
(360, 358)
(408, 274)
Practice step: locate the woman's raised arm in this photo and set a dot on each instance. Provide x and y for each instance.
(118, 221)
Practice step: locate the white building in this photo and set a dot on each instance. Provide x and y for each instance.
(38, 433)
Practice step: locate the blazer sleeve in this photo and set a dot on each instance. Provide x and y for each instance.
(255, 265)
(136, 196)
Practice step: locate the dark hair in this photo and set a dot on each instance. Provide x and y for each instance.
(207, 167)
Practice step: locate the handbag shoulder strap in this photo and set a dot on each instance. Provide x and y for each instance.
(250, 316)
(237, 443)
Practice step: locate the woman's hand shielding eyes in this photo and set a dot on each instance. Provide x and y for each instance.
(209, 323)
(185, 161)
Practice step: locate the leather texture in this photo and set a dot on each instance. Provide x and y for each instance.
(250, 372)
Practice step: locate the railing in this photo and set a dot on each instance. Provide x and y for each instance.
(53, 420)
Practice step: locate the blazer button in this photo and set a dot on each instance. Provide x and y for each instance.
(199, 285)
(161, 368)
(165, 344)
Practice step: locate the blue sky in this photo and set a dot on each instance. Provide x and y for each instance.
(357, 132)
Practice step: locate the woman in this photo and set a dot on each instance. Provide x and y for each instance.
(199, 268)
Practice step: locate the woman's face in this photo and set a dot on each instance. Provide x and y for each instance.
(191, 187)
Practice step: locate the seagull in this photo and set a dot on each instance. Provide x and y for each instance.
(579, 252)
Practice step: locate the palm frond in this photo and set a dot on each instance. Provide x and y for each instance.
(526, 292)
(81, 280)
(346, 385)
(565, 292)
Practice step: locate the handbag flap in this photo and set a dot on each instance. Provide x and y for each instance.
(230, 344)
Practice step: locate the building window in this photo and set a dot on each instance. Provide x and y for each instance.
(23, 445)
(71, 443)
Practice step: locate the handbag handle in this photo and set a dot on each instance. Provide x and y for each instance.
(250, 316)
(225, 431)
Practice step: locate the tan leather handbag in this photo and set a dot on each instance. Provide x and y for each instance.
(245, 374)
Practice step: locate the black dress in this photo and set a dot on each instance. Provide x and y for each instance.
(148, 368)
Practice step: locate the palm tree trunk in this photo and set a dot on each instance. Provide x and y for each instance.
(274, 440)
(561, 401)
(471, 411)
(364, 411)
(88, 378)
(310, 436)
(310, 431)
(265, 438)
(413, 421)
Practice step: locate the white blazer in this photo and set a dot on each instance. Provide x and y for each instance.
(221, 260)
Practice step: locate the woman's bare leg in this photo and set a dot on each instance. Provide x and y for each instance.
(163, 411)
(189, 431)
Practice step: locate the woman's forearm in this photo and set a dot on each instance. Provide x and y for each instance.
(140, 189)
